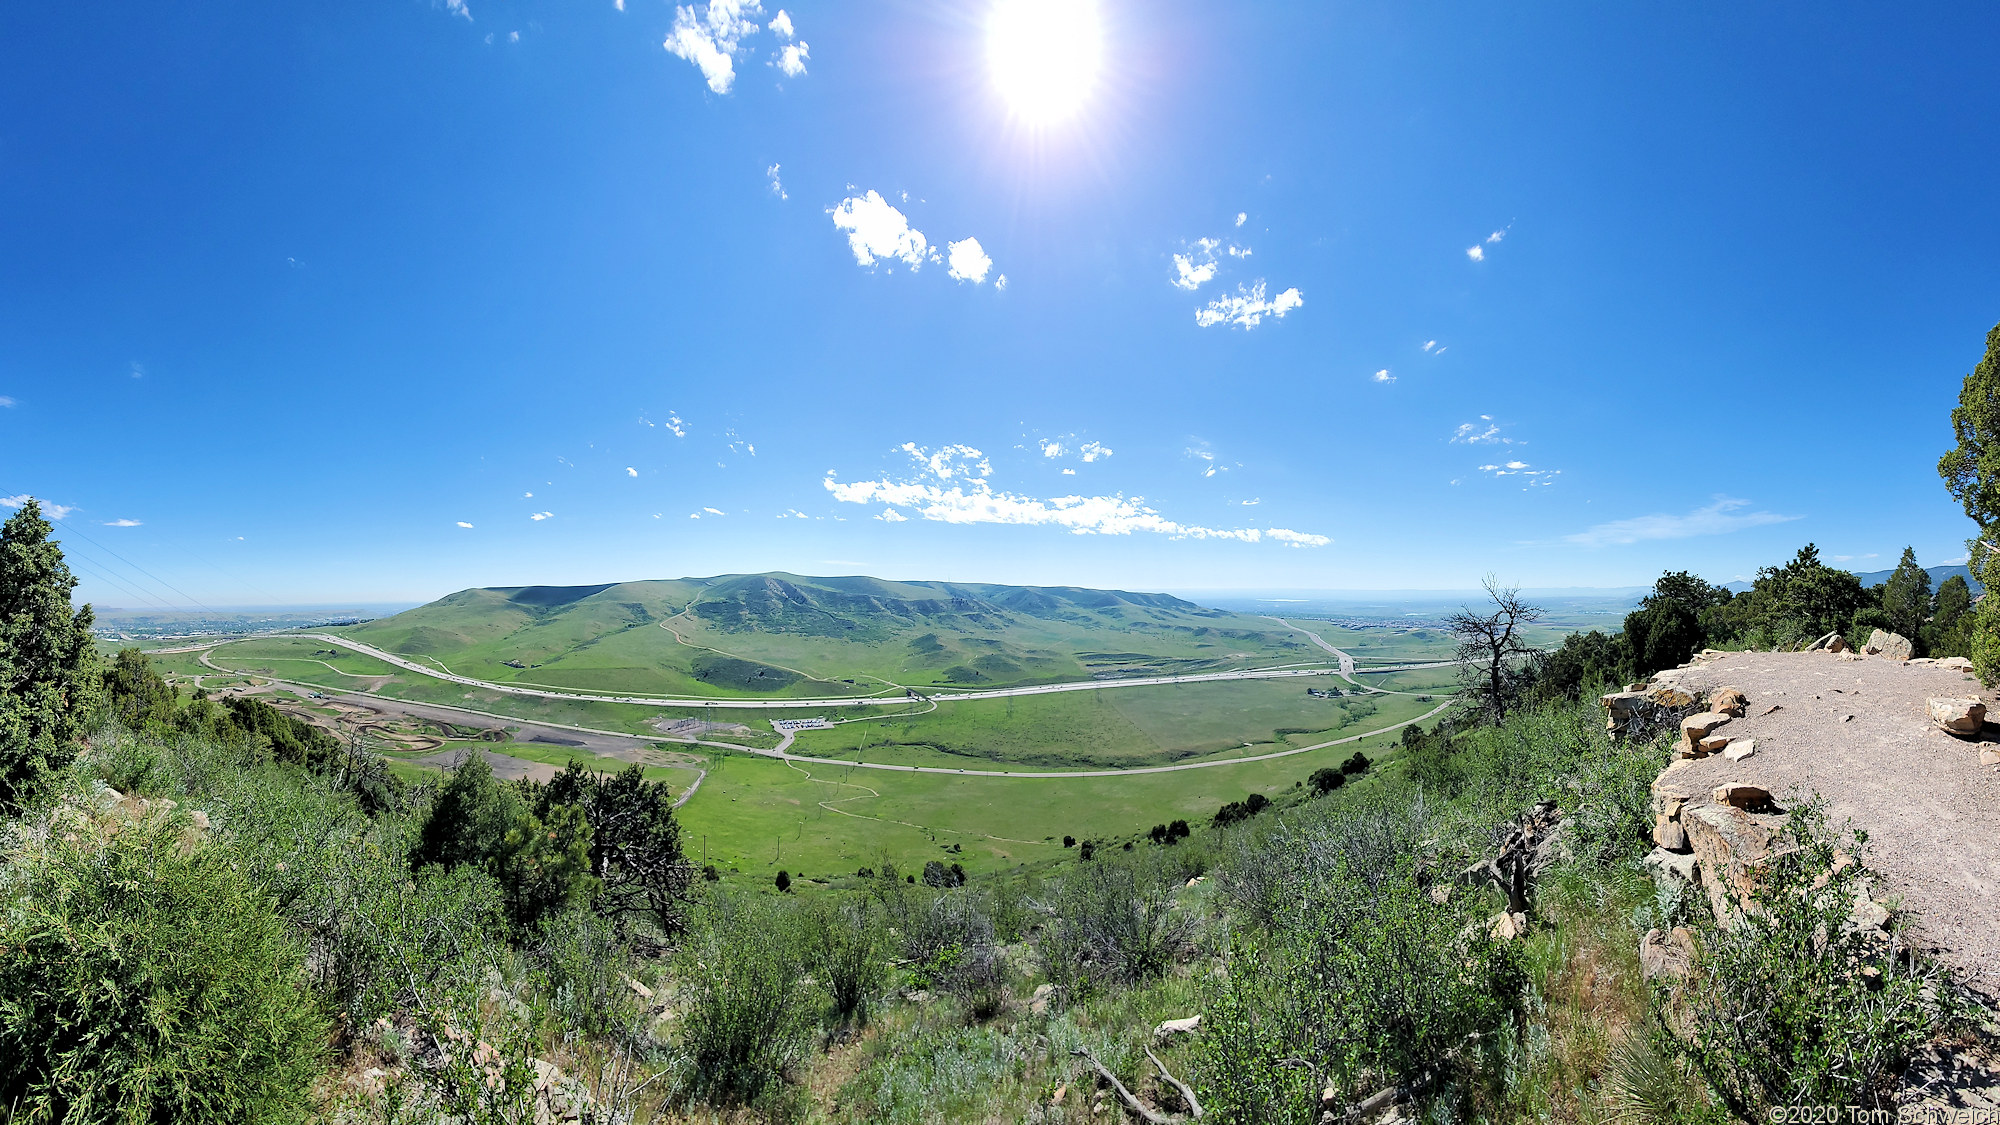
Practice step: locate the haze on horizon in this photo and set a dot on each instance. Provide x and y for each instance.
(374, 304)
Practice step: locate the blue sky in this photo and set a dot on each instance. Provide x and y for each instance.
(1318, 296)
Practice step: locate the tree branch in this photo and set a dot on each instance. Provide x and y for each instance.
(1187, 1095)
(1130, 1099)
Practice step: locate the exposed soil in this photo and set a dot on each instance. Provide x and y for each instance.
(1856, 732)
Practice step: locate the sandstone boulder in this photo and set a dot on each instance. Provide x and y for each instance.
(1667, 830)
(1889, 646)
(1962, 717)
(1745, 797)
(1671, 870)
(1507, 927)
(1669, 955)
(1696, 727)
(1739, 749)
(1730, 702)
(1184, 1026)
(1957, 663)
(1729, 847)
(1832, 642)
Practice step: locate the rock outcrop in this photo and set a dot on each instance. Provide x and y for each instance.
(1953, 715)
(1890, 646)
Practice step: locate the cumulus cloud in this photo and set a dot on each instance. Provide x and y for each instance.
(967, 261)
(1195, 268)
(777, 188)
(50, 511)
(1248, 307)
(1241, 218)
(1383, 376)
(462, 523)
(674, 425)
(1725, 515)
(709, 36)
(1236, 251)
(121, 523)
(782, 25)
(952, 485)
(876, 230)
(1483, 432)
(1091, 451)
(1292, 538)
(791, 60)
(1053, 449)
(1476, 253)
(540, 516)
(630, 471)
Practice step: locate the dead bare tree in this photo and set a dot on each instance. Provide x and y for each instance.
(1491, 653)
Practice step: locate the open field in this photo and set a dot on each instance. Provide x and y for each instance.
(756, 816)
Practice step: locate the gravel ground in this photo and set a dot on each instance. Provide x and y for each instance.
(1857, 733)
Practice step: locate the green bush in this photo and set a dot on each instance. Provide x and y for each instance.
(745, 995)
(843, 946)
(1112, 922)
(580, 969)
(143, 978)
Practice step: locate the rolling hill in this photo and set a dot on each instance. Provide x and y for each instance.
(783, 634)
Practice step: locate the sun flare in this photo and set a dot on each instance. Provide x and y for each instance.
(1044, 55)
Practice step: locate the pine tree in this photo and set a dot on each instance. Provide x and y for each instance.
(49, 679)
(1971, 473)
(1906, 597)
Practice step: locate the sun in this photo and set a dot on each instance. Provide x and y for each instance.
(1044, 55)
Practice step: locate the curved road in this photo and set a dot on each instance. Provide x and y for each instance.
(820, 704)
(780, 752)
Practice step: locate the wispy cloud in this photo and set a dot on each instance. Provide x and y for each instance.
(777, 186)
(540, 516)
(1852, 558)
(5, 402)
(967, 261)
(1383, 376)
(1429, 344)
(709, 35)
(52, 511)
(1241, 218)
(1477, 252)
(462, 523)
(713, 511)
(121, 523)
(1725, 515)
(952, 485)
(1088, 452)
(1292, 538)
(630, 471)
(876, 230)
(1197, 267)
(458, 8)
(1248, 307)
(1483, 432)
(1092, 451)
(1528, 473)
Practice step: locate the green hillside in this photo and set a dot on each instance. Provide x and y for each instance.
(785, 635)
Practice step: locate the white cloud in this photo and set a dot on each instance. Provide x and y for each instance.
(1053, 449)
(1483, 432)
(1292, 538)
(527, 495)
(540, 516)
(618, 4)
(5, 402)
(967, 261)
(458, 8)
(777, 188)
(51, 511)
(708, 36)
(1530, 476)
(1069, 472)
(513, 37)
(1236, 251)
(1251, 503)
(630, 471)
(1429, 344)
(791, 60)
(951, 486)
(1195, 268)
(1241, 218)
(1091, 451)
(713, 511)
(782, 25)
(138, 370)
(462, 523)
(1476, 253)
(674, 425)
(891, 515)
(875, 230)
(1383, 376)
(1496, 236)
(1869, 555)
(1000, 283)
(135, 523)
(1248, 307)
(1721, 517)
